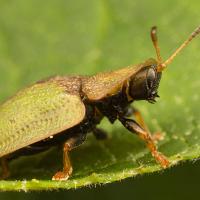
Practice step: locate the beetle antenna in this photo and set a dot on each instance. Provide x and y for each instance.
(154, 39)
(162, 66)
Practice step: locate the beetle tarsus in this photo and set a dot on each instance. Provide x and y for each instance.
(61, 176)
(160, 158)
(134, 127)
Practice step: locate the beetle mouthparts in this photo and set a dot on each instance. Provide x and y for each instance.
(152, 99)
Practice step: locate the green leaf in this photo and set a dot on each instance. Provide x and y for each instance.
(40, 39)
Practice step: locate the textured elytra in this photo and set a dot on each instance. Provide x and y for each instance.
(36, 113)
(103, 84)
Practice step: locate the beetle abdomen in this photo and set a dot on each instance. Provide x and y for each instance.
(36, 113)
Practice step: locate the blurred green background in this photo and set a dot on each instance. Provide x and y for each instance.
(43, 38)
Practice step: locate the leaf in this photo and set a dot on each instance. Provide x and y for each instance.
(86, 37)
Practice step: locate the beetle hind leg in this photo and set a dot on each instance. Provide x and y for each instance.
(5, 169)
(70, 144)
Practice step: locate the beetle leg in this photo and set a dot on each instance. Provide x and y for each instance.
(134, 127)
(5, 169)
(138, 117)
(70, 144)
(99, 134)
(67, 168)
(140, 120)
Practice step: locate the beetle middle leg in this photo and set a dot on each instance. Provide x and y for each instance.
(134, 127)
(70, 144)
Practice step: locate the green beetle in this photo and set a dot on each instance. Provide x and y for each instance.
(62, 110)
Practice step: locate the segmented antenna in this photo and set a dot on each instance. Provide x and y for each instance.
(154, 39)
(162, 66)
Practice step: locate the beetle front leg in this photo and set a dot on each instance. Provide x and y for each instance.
(140, 120)
(134, 127)
(67, 167)
(138, 116)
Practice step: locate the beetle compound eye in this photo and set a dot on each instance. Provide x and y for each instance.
(141, 83)
(152, 83)
(151, 77)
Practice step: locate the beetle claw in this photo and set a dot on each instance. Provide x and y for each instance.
(60, 176)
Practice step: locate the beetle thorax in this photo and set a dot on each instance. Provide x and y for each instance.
(113, 105)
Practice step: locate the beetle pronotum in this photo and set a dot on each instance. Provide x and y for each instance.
(62, 110)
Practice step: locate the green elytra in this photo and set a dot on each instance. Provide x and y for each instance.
(52, 106)
(36, 113)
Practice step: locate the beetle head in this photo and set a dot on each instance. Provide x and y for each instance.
(144, 84)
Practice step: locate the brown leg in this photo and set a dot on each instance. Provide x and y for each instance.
(67, 168)
(5, 169)
(70, 144)
(130, 111)
(140, 120)
(134, 127)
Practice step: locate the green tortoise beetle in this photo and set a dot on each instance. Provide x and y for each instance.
(62, 110)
